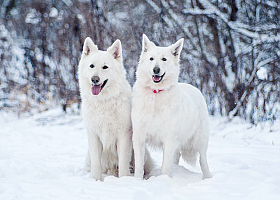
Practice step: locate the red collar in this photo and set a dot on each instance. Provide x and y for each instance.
(157, 91)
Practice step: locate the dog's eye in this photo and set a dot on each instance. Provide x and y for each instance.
(91, 66)
(164, 59)
(151, 58)
(105, 67)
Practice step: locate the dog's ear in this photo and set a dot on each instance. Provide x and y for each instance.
(177, 48)
(89, 46)
(116, 50)
(146, 43)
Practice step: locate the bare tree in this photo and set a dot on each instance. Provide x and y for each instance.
(231, 49)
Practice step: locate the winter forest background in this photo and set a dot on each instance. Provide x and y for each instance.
(231, 50)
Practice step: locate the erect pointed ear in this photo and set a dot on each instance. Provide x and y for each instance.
(89, 46)
(177, 48)
(116, 50)
(146, 43)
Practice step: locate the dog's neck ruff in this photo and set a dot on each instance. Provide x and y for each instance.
(157, 91)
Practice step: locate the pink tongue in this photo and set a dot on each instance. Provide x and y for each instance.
(96, 89)
(156, 78)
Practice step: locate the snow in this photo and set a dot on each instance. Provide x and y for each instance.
(81, 18)
(42, 157)
(262, 73)
(271, 3)
(32, 18)
(121, 15)
(53, 12)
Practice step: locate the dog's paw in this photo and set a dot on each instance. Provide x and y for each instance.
(87, 168)
(138, 175)
(206, 176)
(97, 178)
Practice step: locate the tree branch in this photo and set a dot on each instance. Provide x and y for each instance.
(250, 80)
(211, 10)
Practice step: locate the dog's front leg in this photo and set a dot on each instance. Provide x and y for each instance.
(139, 154)
(95, 150)
(87, 161)
(169, 151)
(124, 148)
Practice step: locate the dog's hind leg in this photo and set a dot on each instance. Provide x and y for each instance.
(201, 146)
(204, 165)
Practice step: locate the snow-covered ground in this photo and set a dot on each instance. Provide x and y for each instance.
(42, 157)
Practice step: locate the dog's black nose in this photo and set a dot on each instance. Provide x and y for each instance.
(156, 70)
(95, 79)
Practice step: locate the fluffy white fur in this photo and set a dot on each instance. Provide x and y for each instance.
(107, 115)
(167, 114)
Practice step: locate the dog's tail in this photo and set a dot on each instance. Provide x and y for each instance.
(189, 155)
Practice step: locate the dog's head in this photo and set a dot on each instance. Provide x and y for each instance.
(99, 70)
(160, 65)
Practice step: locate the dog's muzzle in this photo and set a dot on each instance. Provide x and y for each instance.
(96, 88)
(157, 78)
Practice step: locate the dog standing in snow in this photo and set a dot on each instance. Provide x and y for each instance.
(106, 110)
(106, 107)
(166, 113)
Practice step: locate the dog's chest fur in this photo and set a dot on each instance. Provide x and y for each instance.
(108, 119)
(158, 114)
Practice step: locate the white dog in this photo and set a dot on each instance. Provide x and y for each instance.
(106, 109)
(166, 113)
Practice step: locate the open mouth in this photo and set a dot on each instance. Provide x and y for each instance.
(96, 89)
(158, 79)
